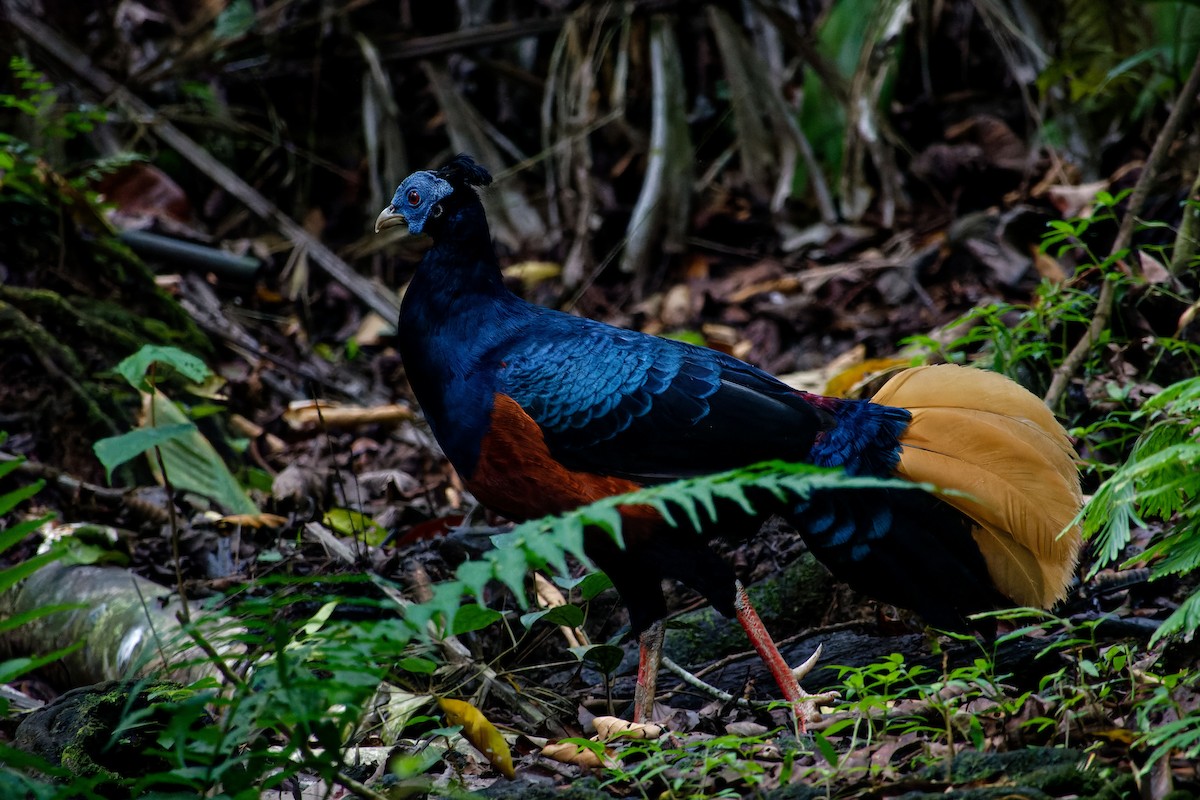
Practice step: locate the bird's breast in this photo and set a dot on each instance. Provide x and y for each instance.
(517, 476)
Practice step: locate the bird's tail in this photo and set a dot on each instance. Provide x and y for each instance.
(1008, 464)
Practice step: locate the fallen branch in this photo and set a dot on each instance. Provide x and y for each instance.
(376, 298)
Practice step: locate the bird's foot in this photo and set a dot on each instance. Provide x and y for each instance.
(804, 705)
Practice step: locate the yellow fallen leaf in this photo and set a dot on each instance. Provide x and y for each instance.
(531, 273)
(841, 383)
(481, 733)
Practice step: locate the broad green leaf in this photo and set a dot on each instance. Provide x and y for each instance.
(114, 451)
(317, 621)
(18, 572)
(826, 749)
(588, 585)
(569, 615)
(17, 620)
(548, 550)
(511, 566)
(472, 617)
(475, 575)
(444, 604)
(349, 522)
(134, 368)
(604, 657)
(8, 466)
(194, 465)
(11, 670)
(9, 500)
(422, 666)
(237, 19)
(20, 530)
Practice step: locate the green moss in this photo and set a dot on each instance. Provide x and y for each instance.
(786, 603)
(1036, 772)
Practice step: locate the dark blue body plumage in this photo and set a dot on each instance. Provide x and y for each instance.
(539, 410)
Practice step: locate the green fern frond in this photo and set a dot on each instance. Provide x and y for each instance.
(1161, 480)
(1182, 398)
(548, 541)
(1185, 620)
(1177, 553)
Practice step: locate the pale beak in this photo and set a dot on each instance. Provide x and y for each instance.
(389, 218)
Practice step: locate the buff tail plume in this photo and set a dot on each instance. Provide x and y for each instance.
(986, 437)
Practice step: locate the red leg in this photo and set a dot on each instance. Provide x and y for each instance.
(770, 655)
(649, 661)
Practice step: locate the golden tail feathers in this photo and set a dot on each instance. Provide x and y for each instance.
(981, 434)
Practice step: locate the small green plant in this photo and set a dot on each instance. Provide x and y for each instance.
(12, 575)
(692, 766)
(40, 101)
(172, 439)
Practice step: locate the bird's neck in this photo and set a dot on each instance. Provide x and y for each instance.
(462, 262)
(455, 312)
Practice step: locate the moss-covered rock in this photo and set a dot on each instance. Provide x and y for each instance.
(108, 732)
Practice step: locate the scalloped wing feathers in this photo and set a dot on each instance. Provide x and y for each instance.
(983, 435)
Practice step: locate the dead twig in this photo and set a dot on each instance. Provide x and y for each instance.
(1108, 290)
(37, 469)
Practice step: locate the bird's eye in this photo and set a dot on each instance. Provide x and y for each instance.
(414, 197)
(437, 210)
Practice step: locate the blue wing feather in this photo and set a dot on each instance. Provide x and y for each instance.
(622, 403)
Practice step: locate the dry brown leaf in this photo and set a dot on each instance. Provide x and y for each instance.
(252, 521)
(373, 329)
(817, 380)
(612, 727)
(550, 596)
(677, 306)
(842, 384)
(1153, 270)
(1187, 317)
(572, 753)
(1048, 266)
(141, 195)
(788, 284)
(481, 733)
(1075, 201)
(727, 339)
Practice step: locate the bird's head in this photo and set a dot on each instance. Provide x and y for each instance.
(425, 198)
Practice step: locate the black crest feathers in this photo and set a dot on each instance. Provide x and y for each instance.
(462, 170)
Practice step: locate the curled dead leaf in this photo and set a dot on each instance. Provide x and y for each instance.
(1187, 318)
(252, 521)
(1048, 266)
(481, 733)
(844, 382)
(550, 596)
(1077, 200)
(612, 727)
(573, 753)
(1153, 270)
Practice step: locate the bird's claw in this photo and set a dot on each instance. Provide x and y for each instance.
(802, 670)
